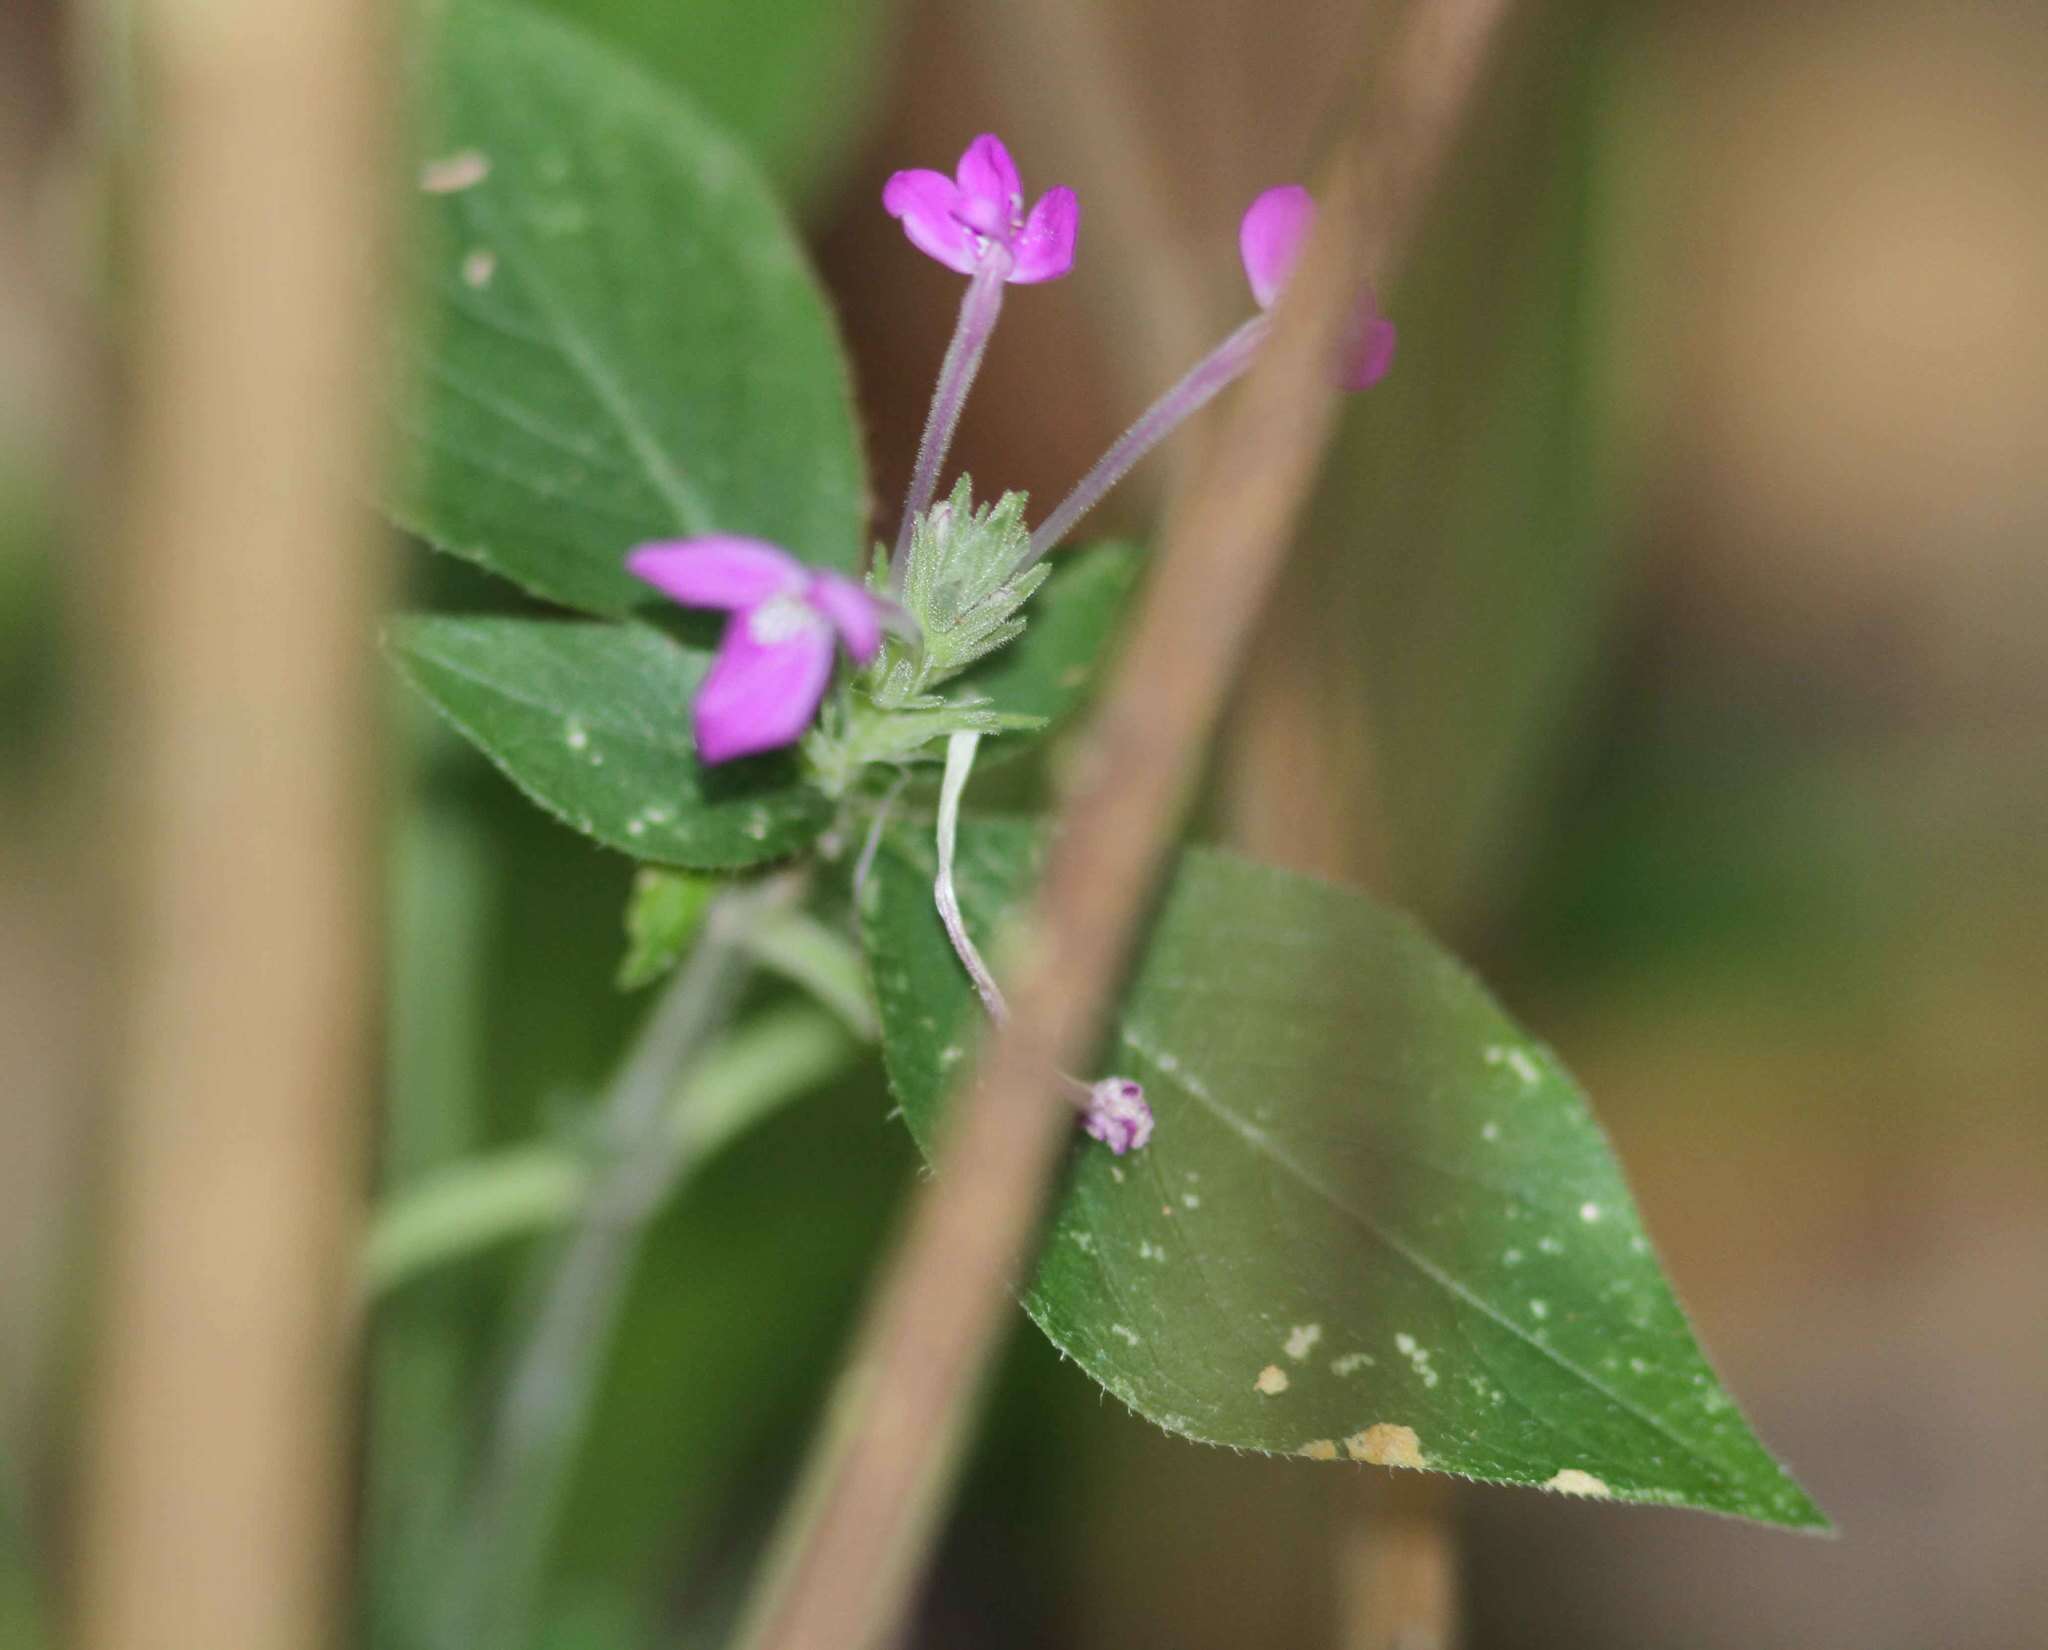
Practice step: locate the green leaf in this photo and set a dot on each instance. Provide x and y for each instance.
(1048, 670)
(622, 339)
(1375, 1220)
(662, 917)
(593, 722)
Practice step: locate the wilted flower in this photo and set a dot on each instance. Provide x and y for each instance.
(1116, 1114)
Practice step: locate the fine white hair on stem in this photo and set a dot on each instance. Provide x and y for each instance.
(1197, 388)
(960, 750)
(980, 306)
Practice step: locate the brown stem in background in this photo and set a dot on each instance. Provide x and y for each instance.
(215, 1505)
(859, 1532)
(1299, 796)
(1130, 201)
(1397, 1568)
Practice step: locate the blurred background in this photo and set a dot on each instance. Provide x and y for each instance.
(1668, 632)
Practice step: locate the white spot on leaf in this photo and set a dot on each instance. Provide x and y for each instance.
(1571, 1481)
(1301, 1340)
(454, 173)
(1417, 1356)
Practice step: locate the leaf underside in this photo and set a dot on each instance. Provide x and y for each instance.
(1376, 1220)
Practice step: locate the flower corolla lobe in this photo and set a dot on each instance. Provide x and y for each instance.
(978, 215)
(775, 659)
(1270, 239)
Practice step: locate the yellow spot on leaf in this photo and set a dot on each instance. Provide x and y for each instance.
(1320, 1449)
(1272, 1381)
(1385, 1445)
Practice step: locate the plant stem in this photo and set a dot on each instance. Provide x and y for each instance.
(979, 308)
(540, 1418)
(234, 730)
(1202, 382)
(772, 1058)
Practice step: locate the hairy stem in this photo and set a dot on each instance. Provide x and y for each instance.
(1200, 385)
(978, 311)
(540, 1418)
(522, 1190)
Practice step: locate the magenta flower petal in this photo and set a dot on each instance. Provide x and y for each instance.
(927, 204)
(963, 222)
(988, 172)
(1369, 351)
(719, 571)
(1270, 238)
(764, 687)
(991, 194)
(855, 614)
(1045, 246)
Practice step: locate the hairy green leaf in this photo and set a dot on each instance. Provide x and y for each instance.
(592, 720)
(1375, 1220)
(621, 339)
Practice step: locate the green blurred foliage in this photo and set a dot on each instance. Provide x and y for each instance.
(32, 639)
(1464, 551)
(796, 80)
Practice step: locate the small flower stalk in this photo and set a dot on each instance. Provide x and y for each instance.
(1270, 239)
(973, 222)
(960, 577)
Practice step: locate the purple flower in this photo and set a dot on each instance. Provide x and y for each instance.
(964, 219)
(1270, 240)
(1116, 1114)
(776, 656)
